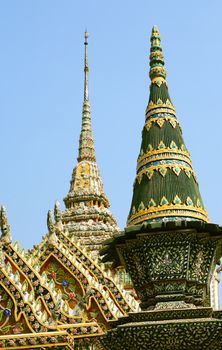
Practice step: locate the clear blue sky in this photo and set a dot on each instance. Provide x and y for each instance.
(41, 93)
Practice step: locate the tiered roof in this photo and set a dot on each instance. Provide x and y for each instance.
(56, 295)
(166, 186)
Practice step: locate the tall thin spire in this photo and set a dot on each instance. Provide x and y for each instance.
(86, 143)
(86, 69)
(166, 187)
(87, 217)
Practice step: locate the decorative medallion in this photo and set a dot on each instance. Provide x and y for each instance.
(173, 145)
(151, 203)
(141, 206)
(163, 171)
(161, 145)
(160, 122)
(177, 170)
(164, 201)
(187, 172)
(189, 201)
(149, 148)
(148, 126)
(173, 122)
(149, 174)
(176, 200)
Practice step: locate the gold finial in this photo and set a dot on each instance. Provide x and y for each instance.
(157, 69)
(155, 29)
(5, 228)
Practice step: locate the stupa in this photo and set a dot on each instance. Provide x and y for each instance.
(169, 247)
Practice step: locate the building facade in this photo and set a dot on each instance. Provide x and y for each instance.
(63, 294)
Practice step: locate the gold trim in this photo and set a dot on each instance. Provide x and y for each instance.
(166, 166)
(154, 155)
(90, 271)
(33, 335)
(157, 80)
(173, 210)
(150, 120)
(160, 110)
(46, 345)
(152, 105)
(98, 304)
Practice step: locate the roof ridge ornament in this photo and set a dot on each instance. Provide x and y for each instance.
(5, 227)
(58, 216)
(52, 238)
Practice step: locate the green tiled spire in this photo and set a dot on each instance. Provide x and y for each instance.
(165, 187)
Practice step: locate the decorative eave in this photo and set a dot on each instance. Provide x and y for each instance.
(109, 251)
(111, 301)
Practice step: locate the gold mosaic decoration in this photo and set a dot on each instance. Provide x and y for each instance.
(160, 121)
(164, 110)
(160, 104)
(162, 169)
(163, 154)
(169, 210)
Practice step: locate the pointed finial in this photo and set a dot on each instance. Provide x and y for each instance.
(57, 212)
(157, 69)
(50, 223)
(86, 68)
(86, 35)
(52, 238)
(86, 144)
(58, 215)
(5, 228)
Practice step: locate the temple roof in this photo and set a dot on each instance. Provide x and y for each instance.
(87, 216)
(166, 186)
(56, 294)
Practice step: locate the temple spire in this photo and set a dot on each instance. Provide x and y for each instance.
(157, 69)
(86, 68)
(86, 143)
(87, 217)
(166, 187)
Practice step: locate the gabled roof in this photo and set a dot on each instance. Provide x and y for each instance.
(56, 293)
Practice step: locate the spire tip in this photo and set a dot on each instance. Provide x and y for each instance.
(157, 70)
(86, 35)
(155, 29)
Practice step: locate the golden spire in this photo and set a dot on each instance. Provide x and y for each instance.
(157, 69)
(86, 216)
(86, 143)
